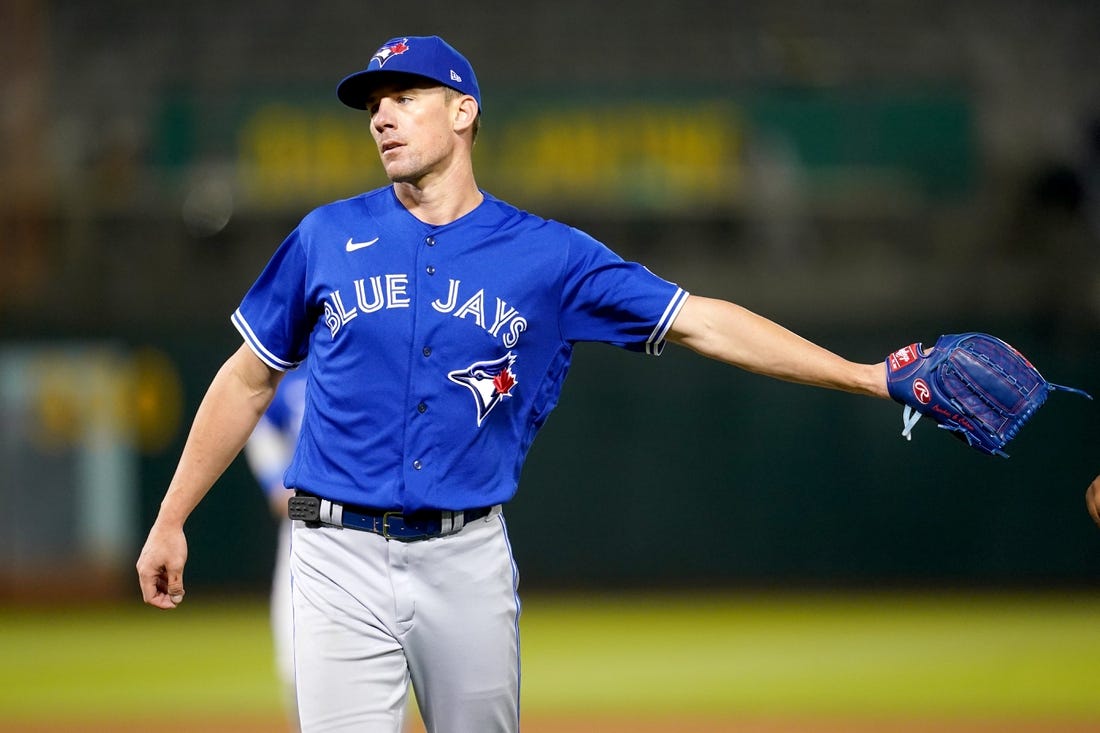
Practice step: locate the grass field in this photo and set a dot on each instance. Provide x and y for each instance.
(863, 662)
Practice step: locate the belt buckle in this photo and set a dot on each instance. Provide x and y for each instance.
(386, 524)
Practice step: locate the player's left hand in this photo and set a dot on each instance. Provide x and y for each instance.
(160, 567)
(973, 384)
(1092, 500)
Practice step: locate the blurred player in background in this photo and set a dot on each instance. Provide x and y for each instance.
(268, 452)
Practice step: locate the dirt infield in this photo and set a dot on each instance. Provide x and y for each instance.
(621, 724)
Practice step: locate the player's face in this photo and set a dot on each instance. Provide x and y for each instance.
(412, 127)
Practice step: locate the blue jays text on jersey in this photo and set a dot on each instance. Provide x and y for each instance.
(437, 352)
(394, 294)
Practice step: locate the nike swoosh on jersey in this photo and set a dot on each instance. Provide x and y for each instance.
(352, 246)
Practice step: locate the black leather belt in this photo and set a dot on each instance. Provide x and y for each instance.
(423, 525)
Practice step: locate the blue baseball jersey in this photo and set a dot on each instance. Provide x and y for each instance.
(437, 352)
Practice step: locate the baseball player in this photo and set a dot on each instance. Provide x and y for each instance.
(268, 452)
(439, 322)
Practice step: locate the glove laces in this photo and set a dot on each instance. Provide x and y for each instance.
(909, 418)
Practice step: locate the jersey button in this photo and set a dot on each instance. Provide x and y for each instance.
(421, 408)
(427, 351)
(417, 465)
(430, 269)
(430, 241)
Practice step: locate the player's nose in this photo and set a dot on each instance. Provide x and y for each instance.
(382, 114)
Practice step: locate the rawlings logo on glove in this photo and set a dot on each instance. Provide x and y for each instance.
(973, 384)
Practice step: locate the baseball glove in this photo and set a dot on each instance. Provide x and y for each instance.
(973, 384)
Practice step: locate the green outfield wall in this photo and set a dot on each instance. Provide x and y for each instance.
(677, 470)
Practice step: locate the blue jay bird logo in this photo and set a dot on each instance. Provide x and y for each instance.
(396, 47)
(488, 381)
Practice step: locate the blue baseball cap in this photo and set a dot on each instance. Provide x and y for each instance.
(427, 56)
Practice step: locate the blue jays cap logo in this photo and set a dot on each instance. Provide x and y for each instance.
(488, 381)
(396, 47)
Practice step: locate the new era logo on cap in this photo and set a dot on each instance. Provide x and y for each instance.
(426, 56)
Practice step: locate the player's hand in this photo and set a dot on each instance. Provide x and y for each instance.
(1092, 500)
(160, 567)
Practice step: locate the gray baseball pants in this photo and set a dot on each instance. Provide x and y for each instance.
(372, 615)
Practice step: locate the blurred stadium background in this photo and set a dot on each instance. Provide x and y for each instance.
(868, 174)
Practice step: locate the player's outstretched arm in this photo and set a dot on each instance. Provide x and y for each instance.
(237, 397)
(729, 333)
(1092, 500)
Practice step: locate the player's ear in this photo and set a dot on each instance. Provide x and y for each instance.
(465, 113)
